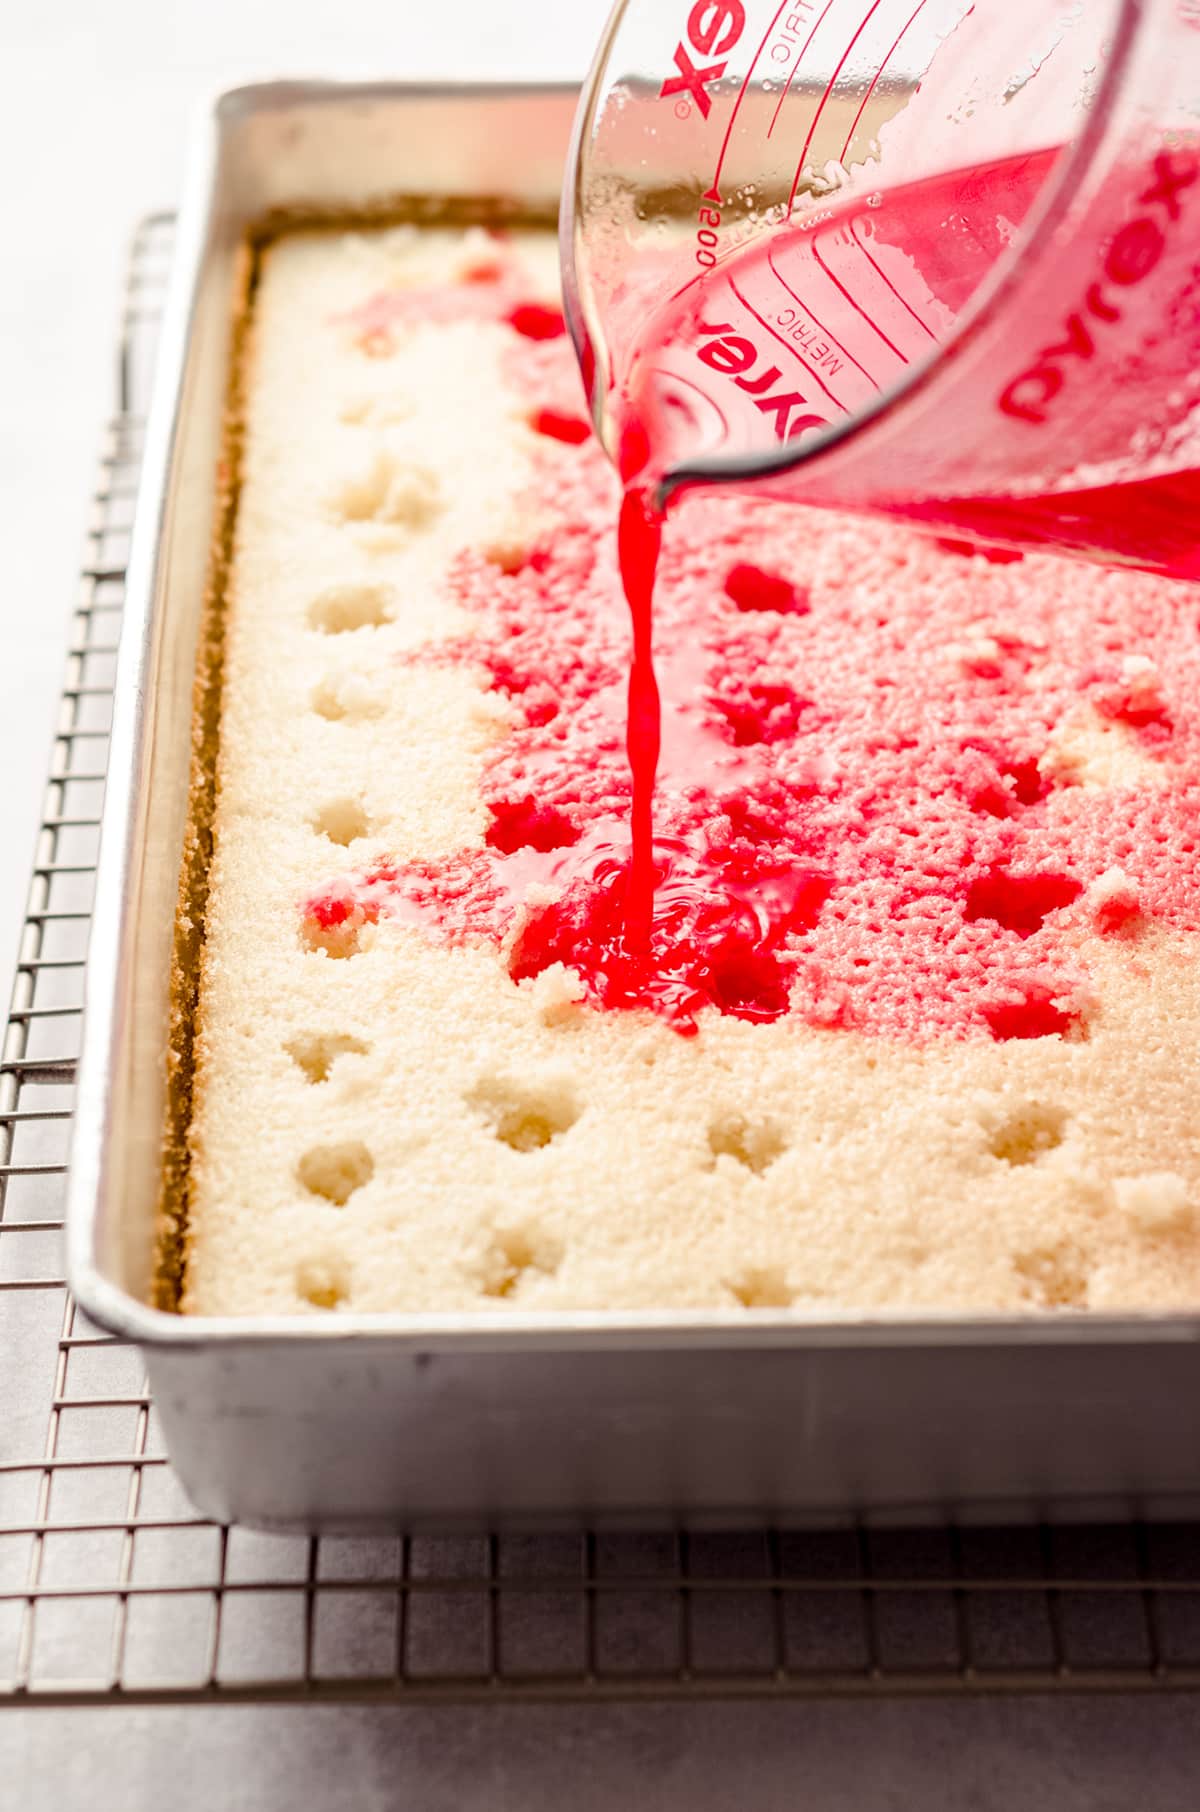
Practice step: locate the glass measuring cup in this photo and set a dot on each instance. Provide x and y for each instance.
(919, 256)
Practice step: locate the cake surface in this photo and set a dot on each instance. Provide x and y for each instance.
(947, 805)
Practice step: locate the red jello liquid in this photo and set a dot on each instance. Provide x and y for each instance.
(639, 539)
(812, 323)
(835, 814)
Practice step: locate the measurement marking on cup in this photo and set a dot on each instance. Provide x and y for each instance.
(684, 84)
(764, 323)
(804, 306)
(789, 33)
(780, 422)
(713, 193)
(886, 280)
(830, 88)
(796, 66)
(880, 73)
(856, 305)
(807, 336)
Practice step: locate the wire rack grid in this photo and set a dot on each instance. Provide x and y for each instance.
(113, 1590)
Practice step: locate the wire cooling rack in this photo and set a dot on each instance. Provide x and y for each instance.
(113, 1590)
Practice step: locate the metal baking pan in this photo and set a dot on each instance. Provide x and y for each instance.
(342, 1421)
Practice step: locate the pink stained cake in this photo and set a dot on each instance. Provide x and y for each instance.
(923, 1028)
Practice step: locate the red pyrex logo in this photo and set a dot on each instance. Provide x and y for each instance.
(735, 357)
(713, 28)
(1131, 255)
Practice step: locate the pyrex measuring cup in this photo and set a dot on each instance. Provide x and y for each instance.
(920, 256)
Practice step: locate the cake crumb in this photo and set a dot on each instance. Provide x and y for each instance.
(762, 1287)
(1143, 685)
(1053, 1275)
(323, 1280)
(1113, 899)
(556, 993)
(1159, 1203)
(978, 654)
(1092, 751)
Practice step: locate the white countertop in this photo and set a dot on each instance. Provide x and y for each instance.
(97, 101)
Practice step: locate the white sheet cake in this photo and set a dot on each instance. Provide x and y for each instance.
(972, 1083)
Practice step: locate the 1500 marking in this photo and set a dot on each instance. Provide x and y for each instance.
(707, 236)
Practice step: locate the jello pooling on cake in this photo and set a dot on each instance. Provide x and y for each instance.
(900, 785)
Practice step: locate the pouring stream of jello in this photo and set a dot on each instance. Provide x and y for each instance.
(935, 260)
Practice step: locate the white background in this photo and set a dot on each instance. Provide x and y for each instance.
(95, 103)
